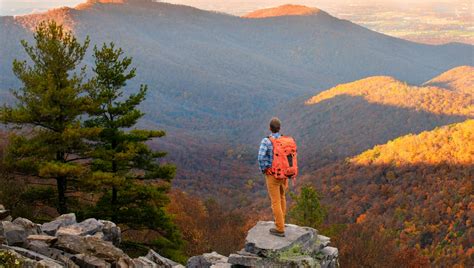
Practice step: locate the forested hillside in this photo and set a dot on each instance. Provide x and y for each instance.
(418, 186)
(351, 118)
(213, 77)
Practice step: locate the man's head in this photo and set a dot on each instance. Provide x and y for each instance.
(275, 124)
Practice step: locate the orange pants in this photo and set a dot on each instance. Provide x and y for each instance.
(276, 191)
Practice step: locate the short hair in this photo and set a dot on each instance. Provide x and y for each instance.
(275, 125)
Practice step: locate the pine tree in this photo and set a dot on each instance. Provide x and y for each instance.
(307, 210)
(49, 106)
(125, 168)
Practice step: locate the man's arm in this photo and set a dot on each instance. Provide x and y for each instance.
(263, 158)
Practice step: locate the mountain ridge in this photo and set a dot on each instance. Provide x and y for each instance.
(353, 117)
(283, 10)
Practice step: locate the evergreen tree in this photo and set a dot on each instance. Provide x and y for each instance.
(125, 168)
(307, 210)
(49, 105)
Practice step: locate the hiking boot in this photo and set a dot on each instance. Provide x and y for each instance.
(274, 231)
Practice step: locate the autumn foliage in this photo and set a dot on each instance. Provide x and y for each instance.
(421, 186)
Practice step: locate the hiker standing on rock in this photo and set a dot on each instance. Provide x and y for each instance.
(278, 161)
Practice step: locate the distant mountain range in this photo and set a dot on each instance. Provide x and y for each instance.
(215, 79)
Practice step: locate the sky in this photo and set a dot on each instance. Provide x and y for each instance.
(237, 7)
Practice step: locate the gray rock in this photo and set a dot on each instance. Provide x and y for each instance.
(259, 240)
(44, 238)
(330, 252)
(90, 226)
(161, 261)
(30, 227)
(142, 262)
(124, 262)
(53, 253)
(50, 228)
(323, 241)
(99, 235)
(206, 260)
(111, 232)
(88, 261)
(251, 260)
(90, 245)
(221, 265)
(246, 260)
(14, 234)
(42, 259)
(86, 227)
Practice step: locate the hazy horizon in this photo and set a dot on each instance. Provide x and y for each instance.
(236, 7)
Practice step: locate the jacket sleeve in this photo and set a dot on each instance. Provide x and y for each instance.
(263, 158)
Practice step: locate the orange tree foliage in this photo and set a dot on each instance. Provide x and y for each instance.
(367, 245)
(389, 91)
(421, 186)
(206, 226)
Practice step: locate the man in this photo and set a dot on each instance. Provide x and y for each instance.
(277, 171)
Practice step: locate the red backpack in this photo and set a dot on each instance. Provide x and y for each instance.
(285, 162)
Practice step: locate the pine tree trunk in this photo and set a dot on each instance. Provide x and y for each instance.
(62, 205)
(114, 193)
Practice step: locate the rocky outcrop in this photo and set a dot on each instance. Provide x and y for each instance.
(301, 247)
(64, 242)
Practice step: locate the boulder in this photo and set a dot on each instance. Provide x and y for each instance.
(43, 248)
(124, 262)
(30, 227)
(162, 261)
(111, 232)
(206, 260)
(84, 260)
(242, 259)
(15, 235)
(86, 227)
(89, 245)
(301, 247)
(323, 241)
(142, 262)
(50, 228)
(246, 260)
(43, 238)
(329, 257)
(259, 240)
(99, 235)
(221, 265)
